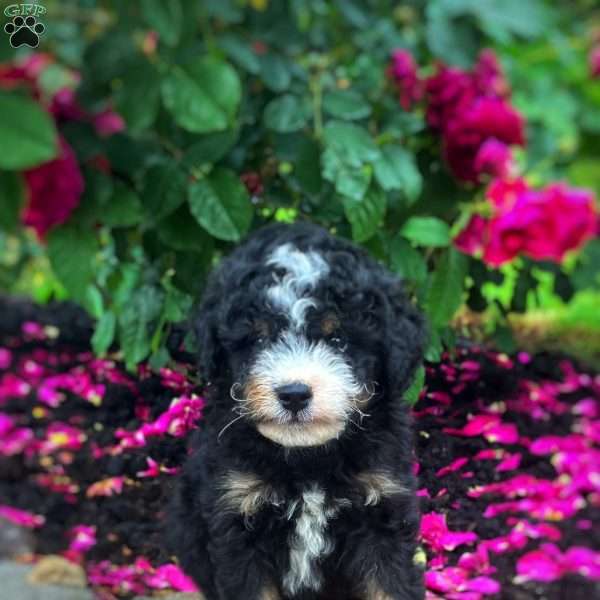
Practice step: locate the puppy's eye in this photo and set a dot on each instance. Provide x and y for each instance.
(339, 343)
(261, 331)
(329, 324)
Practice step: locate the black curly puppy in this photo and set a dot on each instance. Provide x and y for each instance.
(300, 484)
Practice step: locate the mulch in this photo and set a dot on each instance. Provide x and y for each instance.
(508, 460)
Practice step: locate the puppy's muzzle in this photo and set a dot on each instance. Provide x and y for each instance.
(294, 397)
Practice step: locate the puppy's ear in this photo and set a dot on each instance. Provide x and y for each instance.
(405, 334)
(206, 324)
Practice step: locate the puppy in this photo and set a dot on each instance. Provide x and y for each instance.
(299, 485)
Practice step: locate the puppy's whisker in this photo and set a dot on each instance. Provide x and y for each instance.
(239, 410)
(356, 424)
(229, 425)
(232, 392)
(360, 412)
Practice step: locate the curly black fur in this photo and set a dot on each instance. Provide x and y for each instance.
(234, 556)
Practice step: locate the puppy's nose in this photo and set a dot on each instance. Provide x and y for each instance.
(294, 396)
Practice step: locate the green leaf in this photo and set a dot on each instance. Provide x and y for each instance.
(426, 231)
(203, 96)
(365, 215)
(220, 203)
(396, 169)
(352, 143)
(349, 149)
(164, 190)
(12, 196)
(159, 359)
(407, 262)
(445, 294)
(412, 393)
(177, 305)
(240, 52)
(285, 114)
(138, 98)
(124, 209)
(104, 333)
(346, 104)
(350, 182)
(210, 148)
(72, 251)
(165, 17)
(143, 307)
(93, 302)
(180, 231)
(275, 72)
(511, 17)
(28, 135)
(433, 352)
(129, 278)
(454, 41)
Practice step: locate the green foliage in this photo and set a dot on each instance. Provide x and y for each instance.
(294, 98)
(72, 251)
(202, 96)
(11, 200)
(28, 135)
(219, 202)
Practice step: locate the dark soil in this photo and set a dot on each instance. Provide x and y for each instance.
(49, 477)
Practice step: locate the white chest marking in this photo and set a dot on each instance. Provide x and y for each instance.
(308, 543)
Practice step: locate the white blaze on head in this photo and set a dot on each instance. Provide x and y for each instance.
(290, 294)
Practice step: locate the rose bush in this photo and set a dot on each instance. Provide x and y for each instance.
(452, 139)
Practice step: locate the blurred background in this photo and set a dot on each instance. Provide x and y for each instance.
(458, 140)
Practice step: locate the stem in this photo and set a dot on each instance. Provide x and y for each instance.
(317, 96)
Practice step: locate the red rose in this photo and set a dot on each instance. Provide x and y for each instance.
(543, 224)
(570, 220)
(403, 71)
(510, 231)
(25, 71)
(64, 106)
(464, 135)
(54, 190)
(503, 193)
(448, 92)
(489, 77)
(471, 239)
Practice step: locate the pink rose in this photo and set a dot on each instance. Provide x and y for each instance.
(108, 123)
(494, 158)
(595, 61)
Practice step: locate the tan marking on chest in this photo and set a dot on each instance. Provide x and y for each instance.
(377, 485)
(269, 592)
(246, 493)
(374, 592)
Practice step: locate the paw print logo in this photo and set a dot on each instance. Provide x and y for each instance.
(24, 32)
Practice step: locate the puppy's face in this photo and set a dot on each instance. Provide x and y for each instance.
(303, 360)
(308, 335)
